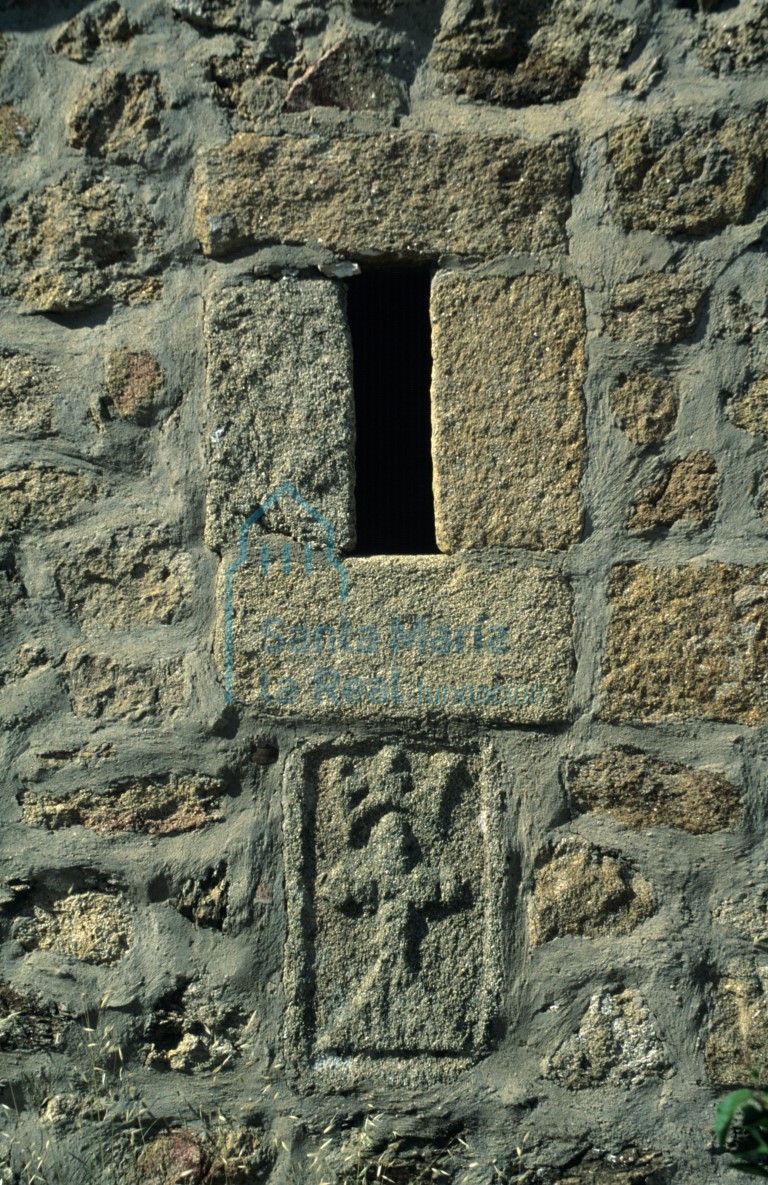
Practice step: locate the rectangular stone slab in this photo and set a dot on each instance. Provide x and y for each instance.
(394, 861)
(509, 440)
(417, 637)
(279, 407)
(403, 194)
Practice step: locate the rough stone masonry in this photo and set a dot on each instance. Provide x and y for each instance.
(329, 867)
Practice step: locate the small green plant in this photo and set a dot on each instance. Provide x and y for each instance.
(741, 1125)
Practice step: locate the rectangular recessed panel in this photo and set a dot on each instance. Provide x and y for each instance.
(393, 873)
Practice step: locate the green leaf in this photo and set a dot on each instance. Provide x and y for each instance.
(726, 1111)
(751, 1170)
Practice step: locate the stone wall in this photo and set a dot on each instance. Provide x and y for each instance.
(318, 866)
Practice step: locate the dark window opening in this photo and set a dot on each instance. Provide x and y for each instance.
(703, 6)
(388, 315)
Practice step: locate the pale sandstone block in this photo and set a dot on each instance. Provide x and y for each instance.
(508, 411)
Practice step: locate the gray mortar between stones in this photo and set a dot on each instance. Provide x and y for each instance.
(141, 725)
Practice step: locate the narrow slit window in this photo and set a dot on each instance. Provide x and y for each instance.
(388, 315)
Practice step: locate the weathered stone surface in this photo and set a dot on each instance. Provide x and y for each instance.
(102, 27)
(749, 409)
(735, 46)
(252, 80)
(93, 927)
(747, 915)
(418, 637)
(657, 309)
(280, 409)
(640, 791)
(645, 406)
(125, 769)
(178, 1153)
(128, 578)
(135, 385)
(760, 491)
(204, 901)
(12, 588)
(499, 480)
(75, 244)
(397, 1161)
(403, 194)
(736, 318)
(30, 656)
(14, 130)
(43, 496)
(195, 1156)
(686, 490)
(347, 76)
(220, 16)
(105, 688)
(524, 51)
(394, 840)
(520, 53)
(62, 1111)
(376, 10)
(616, 1045)
(26, 395)
(118, 116)
(738, 1028)
(26, 1021)
(488, 53)
(689, 183)
(581, 890)
(667, 660)
(178, 804)
(194, 1030)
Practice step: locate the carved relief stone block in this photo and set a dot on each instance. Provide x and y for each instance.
(392, 871)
